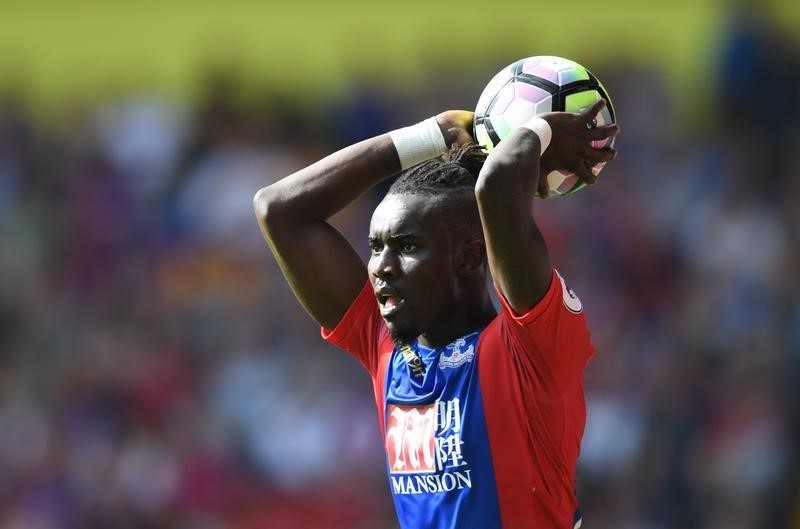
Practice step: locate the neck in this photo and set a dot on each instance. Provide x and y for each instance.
(459, 322)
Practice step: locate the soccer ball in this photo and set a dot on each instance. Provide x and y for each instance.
(532, 86)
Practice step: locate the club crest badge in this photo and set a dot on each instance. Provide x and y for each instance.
(456, 356)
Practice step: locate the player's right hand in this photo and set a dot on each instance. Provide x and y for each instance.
(456, 126)
(571, 147)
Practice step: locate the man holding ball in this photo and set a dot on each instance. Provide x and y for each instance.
(481, 412)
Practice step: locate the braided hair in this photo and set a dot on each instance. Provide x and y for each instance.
(456, 169)
(449, 180)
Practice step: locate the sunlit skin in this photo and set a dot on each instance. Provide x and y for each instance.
(427, 284)
(446, 294)
(433, 248)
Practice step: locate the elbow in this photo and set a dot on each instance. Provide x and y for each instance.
(492, 180)
(261, 203)
(266, 205)
(512, 169)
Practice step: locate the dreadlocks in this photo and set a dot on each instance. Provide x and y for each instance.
(454, 170)
(450, 181)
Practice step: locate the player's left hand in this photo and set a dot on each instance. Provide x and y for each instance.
(456, 126)
(571, 147)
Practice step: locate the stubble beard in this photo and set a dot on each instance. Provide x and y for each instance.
(402, 337)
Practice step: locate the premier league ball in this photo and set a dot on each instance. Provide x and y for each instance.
(532, 86)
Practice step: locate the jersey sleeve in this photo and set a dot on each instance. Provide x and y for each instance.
(551, 340)
(360, 330)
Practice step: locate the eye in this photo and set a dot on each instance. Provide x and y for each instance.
(375, 246)
(408, 247)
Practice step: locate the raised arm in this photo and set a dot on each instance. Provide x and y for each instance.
(321, 266)
(517, 253)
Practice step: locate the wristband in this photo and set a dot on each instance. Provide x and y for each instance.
(418, 143)
(542, 129)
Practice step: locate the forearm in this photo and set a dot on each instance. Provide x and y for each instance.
(321, 266)
(516, 251)
(320, 190)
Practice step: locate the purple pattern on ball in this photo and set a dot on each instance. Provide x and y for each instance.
(529, 92)
(568, 182)
(541, 71)
(597, 168)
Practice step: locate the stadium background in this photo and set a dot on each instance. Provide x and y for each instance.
(155, 371)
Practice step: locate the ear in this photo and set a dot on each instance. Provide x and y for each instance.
(471, 257)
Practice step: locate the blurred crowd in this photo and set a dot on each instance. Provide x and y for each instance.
(156, 372)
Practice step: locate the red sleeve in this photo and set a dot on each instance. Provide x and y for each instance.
(552, 338)
(360, 330)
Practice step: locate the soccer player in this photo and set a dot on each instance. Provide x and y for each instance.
(481, 412)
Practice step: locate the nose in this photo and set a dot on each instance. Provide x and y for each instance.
(384, 264)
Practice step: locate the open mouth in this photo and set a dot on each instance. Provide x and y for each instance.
(390, 304)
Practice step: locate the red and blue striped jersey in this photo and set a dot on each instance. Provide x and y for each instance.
(484, 432)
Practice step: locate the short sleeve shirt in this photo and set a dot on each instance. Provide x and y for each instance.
(485, 431)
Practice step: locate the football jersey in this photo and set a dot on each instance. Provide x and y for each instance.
(484, 432)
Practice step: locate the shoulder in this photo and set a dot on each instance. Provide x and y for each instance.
(557, 320)
(558, 298)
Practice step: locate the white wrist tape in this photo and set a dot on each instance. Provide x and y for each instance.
(418, 143)
(542, 129)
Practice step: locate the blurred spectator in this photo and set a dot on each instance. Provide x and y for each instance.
(155, 371)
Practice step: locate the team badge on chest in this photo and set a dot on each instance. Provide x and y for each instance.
(457, 357)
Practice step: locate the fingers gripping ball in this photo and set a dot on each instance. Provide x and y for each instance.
(533, 86)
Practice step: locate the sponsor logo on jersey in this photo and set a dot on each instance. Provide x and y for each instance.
(420, 484)
(410, 438)
(456, 357)
(424, 448)
(571, 301)
(413, 361)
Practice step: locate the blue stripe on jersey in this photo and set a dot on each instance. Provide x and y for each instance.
(438, 456)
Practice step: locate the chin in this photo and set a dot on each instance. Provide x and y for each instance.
(401, 336)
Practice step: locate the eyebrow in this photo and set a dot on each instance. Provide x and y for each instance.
(394, 238)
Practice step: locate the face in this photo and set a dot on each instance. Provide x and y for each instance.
(411, 266)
